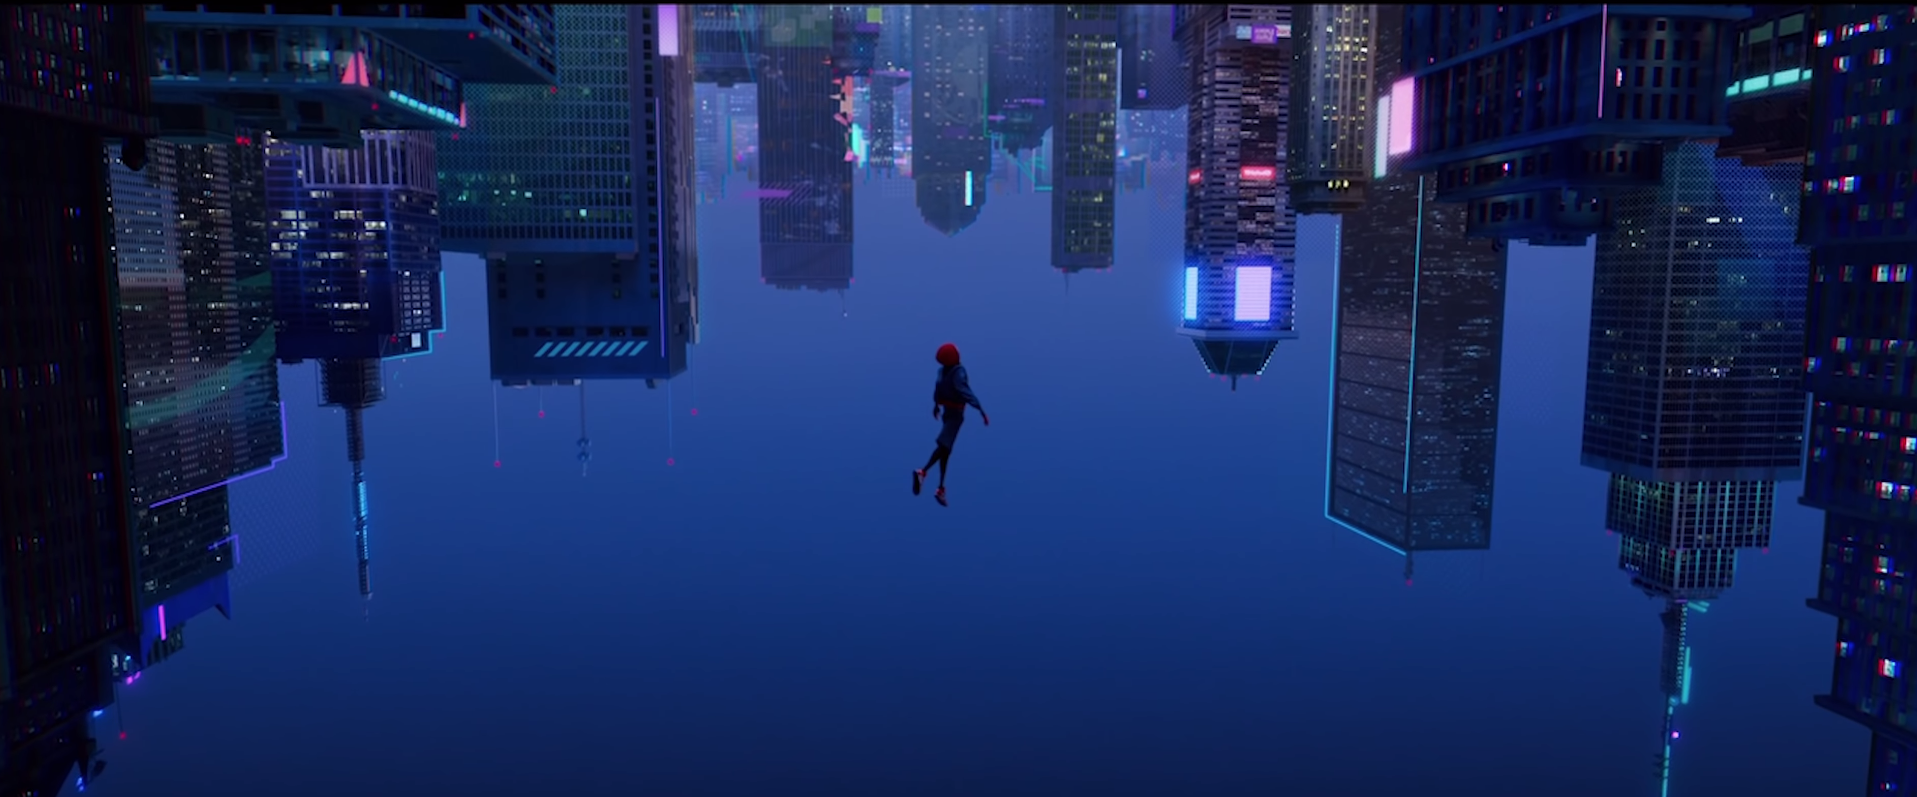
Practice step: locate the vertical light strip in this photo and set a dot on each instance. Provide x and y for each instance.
(1191, 293)
(1604, 50)
(163, 622)
(968, 189)
(1331, 399)
(1411, 378)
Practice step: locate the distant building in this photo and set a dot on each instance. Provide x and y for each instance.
(583, 201)
(1326, 161)
(1084, 136)
(321, 78)
(951, 148)
(1539, 162)
(1240, 231)
(1697, 355)
(1151, 72)
(805, 154)
(1861, 455)
(1022, 75)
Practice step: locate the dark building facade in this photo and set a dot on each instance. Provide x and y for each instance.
(74, 82)
(951, 147)
(320, 78)
(1240, 232)
(805, 146)
(1151, 71)
(1327, 160)
(1861, 463)
(581, 198)
(1084, 136)
(726, 42)
(1769, 90)
(1696, 353)
(1588, 95)
(1417, 372)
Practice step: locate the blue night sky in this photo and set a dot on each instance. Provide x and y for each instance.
(1135, 591)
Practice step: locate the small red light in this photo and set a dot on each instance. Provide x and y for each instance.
(695, 410)
(471, 36)
(554, 90)
(495, 463)
(123, 734)
(669, 461)
(376, 106)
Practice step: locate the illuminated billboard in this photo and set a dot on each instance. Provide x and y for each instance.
(1262, 34)
(1404, 103)
(1257, 174)
(1251, 294)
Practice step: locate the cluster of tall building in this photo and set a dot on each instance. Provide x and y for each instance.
(1745, 172)
(199, 195)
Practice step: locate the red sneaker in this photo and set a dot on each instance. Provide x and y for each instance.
(940, 497)
(918, 482)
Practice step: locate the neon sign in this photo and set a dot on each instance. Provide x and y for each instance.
(1257, 174)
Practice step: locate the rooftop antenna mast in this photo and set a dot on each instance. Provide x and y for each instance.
(585, 441)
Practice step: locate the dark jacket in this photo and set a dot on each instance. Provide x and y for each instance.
(953, 390)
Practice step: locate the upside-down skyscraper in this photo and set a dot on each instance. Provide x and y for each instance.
(1240, 231)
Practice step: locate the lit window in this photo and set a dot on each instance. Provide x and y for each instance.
(1887, 668)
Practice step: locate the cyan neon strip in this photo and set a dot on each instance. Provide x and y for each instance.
(600, 348)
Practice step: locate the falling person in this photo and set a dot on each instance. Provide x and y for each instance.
(949, 396)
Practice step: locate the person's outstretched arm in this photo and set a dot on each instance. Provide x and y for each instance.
(963, 385)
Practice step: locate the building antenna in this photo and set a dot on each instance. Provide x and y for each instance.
(669, 459)
(542, 400)
(495, 424)
(585, 441)
(844, 312)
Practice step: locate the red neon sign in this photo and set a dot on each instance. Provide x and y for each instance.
(1257, 174)
(1195, 176)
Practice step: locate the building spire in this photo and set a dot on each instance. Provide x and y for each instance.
(356, 453)
(585, 441)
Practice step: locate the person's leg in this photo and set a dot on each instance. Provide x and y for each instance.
(938, 453)
(945, 460)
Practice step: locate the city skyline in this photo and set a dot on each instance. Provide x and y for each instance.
(1683, 229)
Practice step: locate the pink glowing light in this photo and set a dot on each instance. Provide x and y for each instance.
(695, 410)
(123, 734)
(471, 36)
(1194, 177)
(670, 462)
(669, 30)
(462, 117)
(355, 74)
(162, 622)
(1257, 174)
(1407, 582)
(542, 413)
(495, 463)
(1404, 104)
